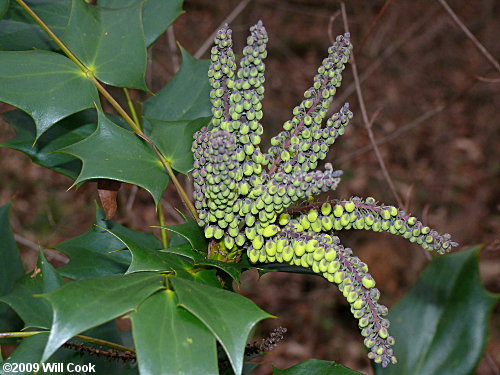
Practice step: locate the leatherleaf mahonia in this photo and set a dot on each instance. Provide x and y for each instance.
(250, 201)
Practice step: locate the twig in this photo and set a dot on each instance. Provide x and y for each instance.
(365, 116)
(230, 18)
(491, 364)
(488, 80)
(333, 17)
(482, 49)
(163, 230)
(410, 31)
(390, 137)
(173, 48)
(131, 107)
(374, 23)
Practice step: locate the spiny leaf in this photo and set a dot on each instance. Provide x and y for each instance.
(81, 305)
(181, 345)
(46, 85)
(211, 306)
(18, 31)
(191, 231)
(157, 15)
(110, 42)
(11, 269)
(174, 140)
(316, 367)
(185, 97)
(441, 325)
(117, 154)
(64, 133)
(97, 252)
(35, 312)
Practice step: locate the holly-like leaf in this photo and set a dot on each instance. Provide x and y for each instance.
(174, 139)
(110, 42)
(192, 232)
(18, 31)
(34, 311)
(64, 133)
(114, 153)
(31, 349)
(84, 304)
(97, 252)
(316, 367)
(4, 6)
(147, 259)
(46, 85)
(181, 345)
(441, 325)
(157, 15)
(229, 316)
(11, 269)
(185, 97)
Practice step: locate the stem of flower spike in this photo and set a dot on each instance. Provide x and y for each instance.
(134, 125)
(92, 340)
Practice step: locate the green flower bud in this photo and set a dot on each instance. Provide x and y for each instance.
(287, 253)
(299, 248)
(326, 208)
(319, 254)
(270, 231)
(258, 242)
(253, 255)
(338, 210)
(349, 206)
(368, 282)
(270, 248)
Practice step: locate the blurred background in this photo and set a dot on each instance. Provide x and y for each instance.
(436, 101)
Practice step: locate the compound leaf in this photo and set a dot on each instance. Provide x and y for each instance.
(174, 139)
(97, 252)
(64, 133)
(157, 15)
(117, 154)
(229, 316)
(35, 312)
(46, 85)
(19, 32)
(181, 345)
(186, 96)
(316, 367)
(84, 304)
(110, 42)
(11, 269)
(441, 325)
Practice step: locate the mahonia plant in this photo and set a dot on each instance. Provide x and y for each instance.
(248, 200)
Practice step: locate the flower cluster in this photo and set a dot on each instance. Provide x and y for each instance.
(250, 201)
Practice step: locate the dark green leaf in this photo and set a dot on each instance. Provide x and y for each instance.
(147, 259)
(170, 340)
(81, 305)
(316, 367)
(186, 96)
(110, 42)
(31, 349)
(11, 269)
(46, 85)
(174, 139)
(18, 31)
(34, 311)
(441, 325)
(191, 231)
(95, 254)
(117, 154)
(229, 316)
(64, 133)
(4, 6)
(157, 15)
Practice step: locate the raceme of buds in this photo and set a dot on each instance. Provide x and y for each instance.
(250, 201)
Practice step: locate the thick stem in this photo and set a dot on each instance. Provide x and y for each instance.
(81, 337)
(131, 107)
(163, 231)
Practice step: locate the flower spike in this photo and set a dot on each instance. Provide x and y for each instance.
(250, 201)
